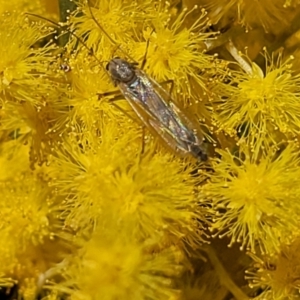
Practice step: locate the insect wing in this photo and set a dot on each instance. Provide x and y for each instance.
(144, 101)
(190, 132)
(154, 107)
(187, 126)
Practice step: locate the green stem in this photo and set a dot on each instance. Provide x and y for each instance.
(65, 8)
(225, 279)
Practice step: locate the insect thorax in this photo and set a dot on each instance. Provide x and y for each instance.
(121, 71)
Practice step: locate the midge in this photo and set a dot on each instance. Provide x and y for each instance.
(152, 104)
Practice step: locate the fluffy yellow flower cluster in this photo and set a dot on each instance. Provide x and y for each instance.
(94, 206)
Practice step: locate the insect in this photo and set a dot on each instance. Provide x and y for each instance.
(153, 105)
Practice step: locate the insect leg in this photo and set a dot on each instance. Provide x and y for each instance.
(143, 140)
(116, 98)
(122, 110)
(101, 95)
(171, 81)
(146, 52)
(130, 117)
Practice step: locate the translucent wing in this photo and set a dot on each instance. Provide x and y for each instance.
(155, 108)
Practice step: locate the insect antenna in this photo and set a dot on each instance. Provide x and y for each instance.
(90, 51)
(104, 31)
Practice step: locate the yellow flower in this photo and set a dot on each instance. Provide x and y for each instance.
(113, 266)
(114, 180)
(117, 19)
(32, 124)
(13, 158)
(256, 203)
(80, 111)
(264, 115)
(267, 13)
(29, 85)
(23, 68)
(24, 225)
(32, 236)
(24, 201)
(21, 6)
(177, 52)
(174, 52)
(277, 276)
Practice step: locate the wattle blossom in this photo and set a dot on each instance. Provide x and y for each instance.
(255, 201)
(95, 206)
(279, 275)
(266, 115)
